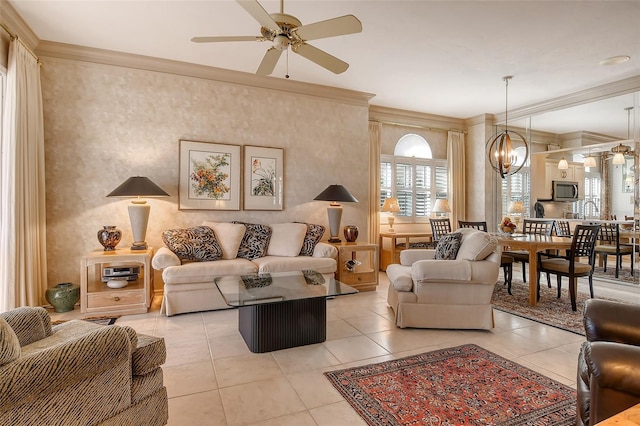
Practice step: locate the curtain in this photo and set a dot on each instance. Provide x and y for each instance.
(374, 185)
(456, 176)
(23, 266)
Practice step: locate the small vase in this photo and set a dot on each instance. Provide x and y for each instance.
(351, 233)
(63, 296)
(109, 236)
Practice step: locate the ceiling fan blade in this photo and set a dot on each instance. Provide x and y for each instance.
(269, 61)
(343, 25)
(320, 57)
(259, 14)
(226, 38)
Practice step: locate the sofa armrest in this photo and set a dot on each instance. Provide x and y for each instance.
(325, 250)
(40, 374)
(29, 323)
(411, 256)
(165, 258)
(605, 320)
(441, 270)
(400, 277)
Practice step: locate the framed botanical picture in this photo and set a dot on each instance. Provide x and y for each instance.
(264, 178)
(209, 176)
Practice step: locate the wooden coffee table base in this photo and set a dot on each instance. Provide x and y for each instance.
(281, 325)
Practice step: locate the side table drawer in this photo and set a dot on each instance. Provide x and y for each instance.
(114, 299)
(357, 278)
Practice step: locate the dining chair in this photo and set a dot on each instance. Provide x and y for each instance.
(539, 227)
(439, 227)
(583, 246)
(609, 244)
(481, 226)
(562, 228)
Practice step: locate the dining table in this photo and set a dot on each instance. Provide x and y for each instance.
(533, 243)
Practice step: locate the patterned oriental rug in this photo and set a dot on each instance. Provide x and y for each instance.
(462, 385)
(624, 274)
(549, 310)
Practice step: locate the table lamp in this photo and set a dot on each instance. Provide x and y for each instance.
(335, 194)
(391, 205)
(441, 207)
(516, 207)
(137, 187)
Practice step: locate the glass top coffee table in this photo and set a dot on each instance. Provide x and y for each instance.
(281, 310)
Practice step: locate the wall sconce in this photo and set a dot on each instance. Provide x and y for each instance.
(391, 205)
(441, 207)
(563, 164)
(335, 194)
(139, 210)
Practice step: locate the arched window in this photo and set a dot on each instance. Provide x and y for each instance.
(413, 177)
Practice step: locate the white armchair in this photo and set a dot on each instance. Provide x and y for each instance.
(429, 293)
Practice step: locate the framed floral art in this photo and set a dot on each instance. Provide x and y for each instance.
(263, 178)
(209, 176)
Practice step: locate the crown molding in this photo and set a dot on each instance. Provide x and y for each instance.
(617, 88)
(394, 116)
(48, 49)
(16, 25)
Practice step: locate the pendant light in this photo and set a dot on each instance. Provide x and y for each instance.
(621, 150)
(562, 164)
(500, 147)
(590, 161)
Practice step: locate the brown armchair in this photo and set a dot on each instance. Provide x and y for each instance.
(608, 380)
(78, 373)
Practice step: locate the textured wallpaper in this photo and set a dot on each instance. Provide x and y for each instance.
(105, 123)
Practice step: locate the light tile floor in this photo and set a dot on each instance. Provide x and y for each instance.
(213, 379)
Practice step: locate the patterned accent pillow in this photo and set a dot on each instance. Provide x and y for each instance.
(313, 237)
(448, 246)
(198, 244)
(255, 241)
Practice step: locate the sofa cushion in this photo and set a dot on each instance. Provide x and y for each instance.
(229, 236)
(197, 272)
(286, 239)
(448, 245)
(312, 237)
(255, 241)
(476, 245)
(9, 343)
(323, 265)
(198, 244)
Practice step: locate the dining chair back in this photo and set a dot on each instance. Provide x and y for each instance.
(481, 226)
(563, 228)
(539, 227)
(440, 227)
(609, 244)
(569, 265)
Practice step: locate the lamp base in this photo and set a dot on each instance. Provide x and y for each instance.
(335, 240)
(139, 247)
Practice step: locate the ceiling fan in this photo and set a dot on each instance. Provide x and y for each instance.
(286, 30)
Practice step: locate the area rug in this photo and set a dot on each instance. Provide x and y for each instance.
(624, 274)
(462, 385)
(549, 310)
(96, 320)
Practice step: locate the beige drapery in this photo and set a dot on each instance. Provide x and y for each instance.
(374, 185)
(23, 265)
(456, 176)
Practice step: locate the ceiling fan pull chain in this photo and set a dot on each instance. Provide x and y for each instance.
(287, 74)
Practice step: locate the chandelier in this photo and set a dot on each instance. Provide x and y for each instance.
(501, 146)
(621, 150)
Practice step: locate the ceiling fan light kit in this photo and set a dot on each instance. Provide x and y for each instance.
(285, 30)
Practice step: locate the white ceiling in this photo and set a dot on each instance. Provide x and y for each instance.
(437, 57)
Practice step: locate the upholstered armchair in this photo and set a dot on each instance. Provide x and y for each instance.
(454, 293)
(78, 373)
(608, 379)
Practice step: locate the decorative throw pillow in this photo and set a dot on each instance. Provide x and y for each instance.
(229, 236)
(9, 344)
(198, 244)
(286, 239)
(448, 246)
(255, 241)
(312, 237)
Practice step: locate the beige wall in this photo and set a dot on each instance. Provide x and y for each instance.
(106, 123)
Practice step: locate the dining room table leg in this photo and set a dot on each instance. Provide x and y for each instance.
(533, 274)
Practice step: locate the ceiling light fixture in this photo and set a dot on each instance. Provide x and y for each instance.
(590, 161)
(500, 147)
(562, 164)
(615, 60)
(621, 150)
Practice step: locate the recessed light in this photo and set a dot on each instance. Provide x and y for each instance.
(615, 60)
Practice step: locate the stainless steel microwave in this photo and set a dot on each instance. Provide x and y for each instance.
(565, 191)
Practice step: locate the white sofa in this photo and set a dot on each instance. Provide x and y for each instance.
(189, 285)
(455, 294)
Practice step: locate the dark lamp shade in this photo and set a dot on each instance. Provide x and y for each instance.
(138, 186)
(336, 193)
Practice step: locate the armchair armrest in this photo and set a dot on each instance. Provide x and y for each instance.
(40, 374)
(441, 270)
(164, 258)
(605, 320)
(325, 250)
(411, 256)
(29, 323)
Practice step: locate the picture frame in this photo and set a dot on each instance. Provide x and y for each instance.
(264, 178)
(209, 176)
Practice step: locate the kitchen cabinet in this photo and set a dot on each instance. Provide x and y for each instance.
(575, 173)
